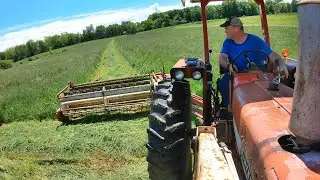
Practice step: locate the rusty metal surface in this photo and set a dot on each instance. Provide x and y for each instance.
(264, 21)
(206, 85)
(261, 117)
(181, 63)
(197, 104)
(248, 78)
(197, 111)
(283, 97)
(197, 99)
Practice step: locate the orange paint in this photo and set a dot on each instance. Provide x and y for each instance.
(285, 53)
(262, 116)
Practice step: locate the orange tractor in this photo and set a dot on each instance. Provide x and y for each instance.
(272, 131)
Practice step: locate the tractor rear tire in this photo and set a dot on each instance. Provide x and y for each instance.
(169, 155)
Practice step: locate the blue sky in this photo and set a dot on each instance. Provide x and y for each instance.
(35, 19)
(17, 12)
(21, 21)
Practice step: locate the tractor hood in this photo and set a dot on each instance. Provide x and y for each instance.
(262, 118)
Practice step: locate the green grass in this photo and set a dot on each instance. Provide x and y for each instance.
(105, 149)
(28, 90)
(113, 65)
(102, 147)
(288, 19)
(98, 147)
(165, 46)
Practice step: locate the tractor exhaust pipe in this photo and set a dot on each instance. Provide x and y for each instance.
(305, 116)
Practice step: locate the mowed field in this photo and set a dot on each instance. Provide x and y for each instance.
(104, 147)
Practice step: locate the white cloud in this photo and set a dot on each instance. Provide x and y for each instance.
(22, 33)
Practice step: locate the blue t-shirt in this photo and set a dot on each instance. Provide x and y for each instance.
(252, 42)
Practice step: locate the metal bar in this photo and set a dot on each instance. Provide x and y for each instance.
(64, 89)
(109, 92)
(264, 22)
(97, 107)
(123, 108)
(198, 115)
(205, 84)
(114, 99)
(127, 90)
(197, 111)
(205, 30)
(197, 100)
(228, 156)
(108, 86)
(121, 80)
(138, 102)
(128, 97)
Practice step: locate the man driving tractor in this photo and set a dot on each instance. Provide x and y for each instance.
(238, 41)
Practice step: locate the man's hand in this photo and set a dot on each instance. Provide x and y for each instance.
(282, 65)
(223, 61)
(284, 71)
(233, 70)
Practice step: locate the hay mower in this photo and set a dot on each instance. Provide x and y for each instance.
(270, 130)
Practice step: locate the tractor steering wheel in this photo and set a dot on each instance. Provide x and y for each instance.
(245, 54)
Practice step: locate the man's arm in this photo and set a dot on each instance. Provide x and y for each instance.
(223, 58)
(273, 56)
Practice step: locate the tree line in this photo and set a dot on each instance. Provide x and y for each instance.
(154, 21)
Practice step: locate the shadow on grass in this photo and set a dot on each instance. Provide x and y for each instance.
(2, 170)
(56, 161)
(2, 119)
(105, 118)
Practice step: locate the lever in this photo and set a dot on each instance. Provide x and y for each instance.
(274, 84)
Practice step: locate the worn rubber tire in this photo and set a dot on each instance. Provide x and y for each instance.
(168, 141)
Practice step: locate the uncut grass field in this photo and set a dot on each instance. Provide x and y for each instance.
(104, 147)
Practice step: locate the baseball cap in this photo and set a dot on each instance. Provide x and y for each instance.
(232, 21)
